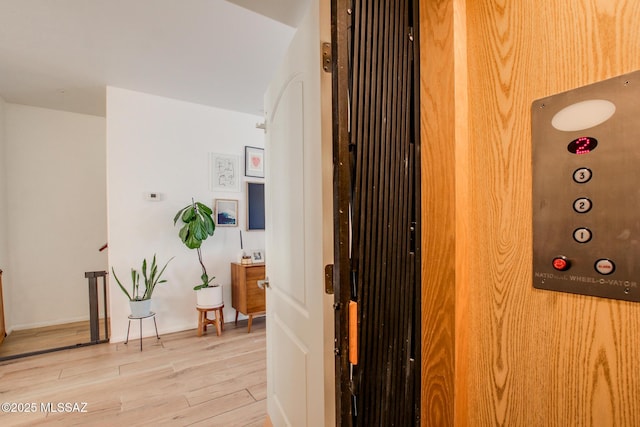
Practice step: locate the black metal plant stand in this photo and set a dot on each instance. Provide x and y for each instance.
(140, 318)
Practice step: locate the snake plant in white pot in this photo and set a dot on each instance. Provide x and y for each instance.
(197, 226)
(140, 298)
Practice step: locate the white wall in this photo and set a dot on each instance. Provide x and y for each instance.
(3, 207)
(56, 212)
(162, 145)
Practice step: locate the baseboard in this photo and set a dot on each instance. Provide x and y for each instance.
(148, 330)
(47, 323)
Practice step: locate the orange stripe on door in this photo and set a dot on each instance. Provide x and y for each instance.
(353, 332)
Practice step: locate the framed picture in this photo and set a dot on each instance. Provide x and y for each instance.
(255, 206)
(224, 172)
(226, 212)
(254, 162)
(257, 255)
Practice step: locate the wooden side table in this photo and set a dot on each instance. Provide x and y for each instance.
(247, 298)
(132, 317)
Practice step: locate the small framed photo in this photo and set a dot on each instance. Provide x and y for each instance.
(257, 255)
(226, 212)
(254, 162)
(224, 172)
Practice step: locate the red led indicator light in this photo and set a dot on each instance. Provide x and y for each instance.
(561, 264)
(582, 145)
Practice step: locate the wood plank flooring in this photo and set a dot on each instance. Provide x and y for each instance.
(47, 337)
(179, 380)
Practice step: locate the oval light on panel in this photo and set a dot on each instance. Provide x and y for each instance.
(583, 115)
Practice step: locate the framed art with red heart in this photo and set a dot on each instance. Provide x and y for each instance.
(254, 162)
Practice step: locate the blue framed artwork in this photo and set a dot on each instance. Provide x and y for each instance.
(226, 213)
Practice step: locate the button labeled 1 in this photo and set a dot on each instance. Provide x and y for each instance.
(582, 235)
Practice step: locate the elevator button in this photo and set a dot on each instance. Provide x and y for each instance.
(582, 175)
(582, 235)
(561, 263)
(582, 205)
(605, 266)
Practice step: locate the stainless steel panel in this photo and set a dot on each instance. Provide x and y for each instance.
(562, 224)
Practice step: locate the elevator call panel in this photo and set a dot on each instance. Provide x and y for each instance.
(586, 189)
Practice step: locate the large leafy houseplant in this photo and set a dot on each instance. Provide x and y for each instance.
(152, 277)
(197, 226)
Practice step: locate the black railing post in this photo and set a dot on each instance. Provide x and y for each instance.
(94, 318)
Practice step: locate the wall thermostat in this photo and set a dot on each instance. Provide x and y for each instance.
(153, 196)
(586, 196)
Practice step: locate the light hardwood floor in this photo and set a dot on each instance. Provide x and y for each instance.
(47, 337)
(180, 380)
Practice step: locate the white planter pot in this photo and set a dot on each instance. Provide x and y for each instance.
(140, 308)
(209, 297)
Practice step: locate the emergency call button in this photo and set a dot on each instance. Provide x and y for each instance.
(561, 263)
(605, 266)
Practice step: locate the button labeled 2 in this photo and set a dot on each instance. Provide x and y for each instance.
(582, 205)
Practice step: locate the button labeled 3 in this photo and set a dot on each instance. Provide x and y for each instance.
(582, 175)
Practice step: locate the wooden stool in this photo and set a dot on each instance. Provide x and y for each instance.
(203, 321)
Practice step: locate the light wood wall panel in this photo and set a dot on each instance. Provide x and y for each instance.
(523, 357)
(437, 113)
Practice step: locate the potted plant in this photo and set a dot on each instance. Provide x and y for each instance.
(140, 298)
(197, 226)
